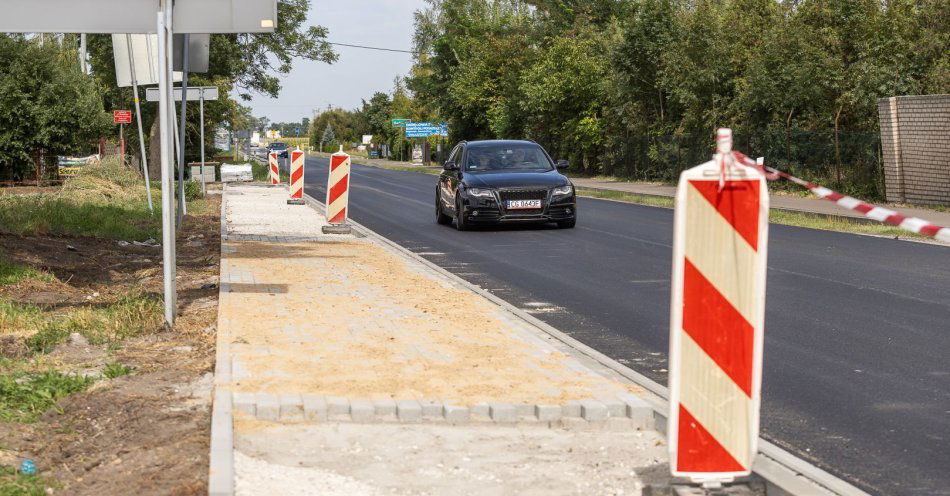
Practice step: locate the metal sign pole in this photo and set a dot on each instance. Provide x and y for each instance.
(181, 135)
(138, 117)
(201, 168)
(168, 199)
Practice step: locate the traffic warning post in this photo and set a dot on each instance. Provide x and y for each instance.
(274, 171)
(338, 194)
(717, 317)
(297, 159)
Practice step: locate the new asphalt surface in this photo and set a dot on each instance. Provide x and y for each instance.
(857, 349)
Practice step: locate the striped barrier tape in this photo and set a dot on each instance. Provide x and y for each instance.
(880, 214)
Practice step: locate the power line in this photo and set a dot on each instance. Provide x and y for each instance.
(372, 48)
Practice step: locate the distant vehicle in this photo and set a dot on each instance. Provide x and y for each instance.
(498, 181)
(279, 147)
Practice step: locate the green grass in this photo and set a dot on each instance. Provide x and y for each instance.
(13, 483)
(108, 324)
(421, 170)
(26, 396)
(116, 369)
(783, 217)
(259, 171)
(12, 274)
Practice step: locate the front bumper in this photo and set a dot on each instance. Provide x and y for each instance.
(485, 210)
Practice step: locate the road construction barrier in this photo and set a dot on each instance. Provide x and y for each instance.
(297, 159)
(274, 171)
(338, 188)
(880, 214)
(717, 317)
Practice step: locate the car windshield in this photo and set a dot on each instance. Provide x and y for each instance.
(278, 146)
(507, 157)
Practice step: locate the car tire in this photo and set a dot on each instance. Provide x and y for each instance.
(567, 224)
(460, 223)
(440, 216)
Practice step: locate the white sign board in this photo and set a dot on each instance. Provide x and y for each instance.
(143, 57)
(136, 16)
(367, 139)
(194, 93)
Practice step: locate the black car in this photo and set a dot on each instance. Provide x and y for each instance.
(499, 181)
(280, 148)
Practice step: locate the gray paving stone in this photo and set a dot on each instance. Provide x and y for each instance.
(245, 403)
(384, 407)
(455, 414)
(547, 413)
(638, 410)
(615, 407)
(525, 410)
(337, 405)
(314, 408)
(431, 409)
(503, 412)
(291, 408)
(593, 410)
(409, 410)
(362, 410)
(571, 409)
(480, 410)
(268, 407)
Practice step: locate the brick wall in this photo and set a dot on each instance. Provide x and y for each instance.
(915, 140)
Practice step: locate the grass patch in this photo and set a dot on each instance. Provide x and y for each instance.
(116, 369)
(783, 217)
(26, 396)
(12, 274)
(654, 201)
(130, 316)
(421, 170)
(259, 171)
(13, 483)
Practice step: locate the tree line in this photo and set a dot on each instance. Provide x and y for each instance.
(636, 88)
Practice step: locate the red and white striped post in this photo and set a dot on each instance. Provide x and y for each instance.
(297, 159)
(338, 194)
(274, 171)
(717, 317)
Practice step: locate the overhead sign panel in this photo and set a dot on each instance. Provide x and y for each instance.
(194, 93)
(136, 16)
(138, 52)
(426, 129)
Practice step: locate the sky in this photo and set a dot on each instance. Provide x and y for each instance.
(358, 73)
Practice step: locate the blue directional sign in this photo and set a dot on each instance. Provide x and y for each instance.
(426, 129)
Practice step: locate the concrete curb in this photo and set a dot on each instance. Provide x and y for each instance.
(624, 413)
(783, 472)
(221, 459)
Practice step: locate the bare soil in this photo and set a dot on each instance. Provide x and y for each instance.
(144, 433)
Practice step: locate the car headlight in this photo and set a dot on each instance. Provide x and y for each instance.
(480, 193)
(563, 190)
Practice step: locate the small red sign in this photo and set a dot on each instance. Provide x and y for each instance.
(122, 116)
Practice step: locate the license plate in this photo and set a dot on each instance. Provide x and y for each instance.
(523, 204)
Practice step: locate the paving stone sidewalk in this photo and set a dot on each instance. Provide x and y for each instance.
(339, 342)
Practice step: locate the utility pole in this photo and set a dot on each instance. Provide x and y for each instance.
(166, 106)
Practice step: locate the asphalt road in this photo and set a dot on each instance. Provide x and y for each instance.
(857, 347)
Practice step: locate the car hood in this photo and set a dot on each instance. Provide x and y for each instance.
(501, 179)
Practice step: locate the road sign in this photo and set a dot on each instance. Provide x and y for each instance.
(296, 131)
(338, 186)
(400, 122)
(194, 93)
(138, 52)
(137, 16)
(717, 318)
(122, 116)
(425, 129)
(199, 52)
(297, 160)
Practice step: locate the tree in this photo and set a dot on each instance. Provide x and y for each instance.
(328, 136)
(46, 104)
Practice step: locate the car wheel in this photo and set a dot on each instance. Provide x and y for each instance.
(440, 216)
(567, 224)
(460, 223)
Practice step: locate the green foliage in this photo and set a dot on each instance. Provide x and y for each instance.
(46, 104)
(12, 274)
(636, 88)
(26, 396)
(16, 484)
(116, 369)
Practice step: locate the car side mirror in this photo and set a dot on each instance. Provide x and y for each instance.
(450, 166)
(562, 164)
